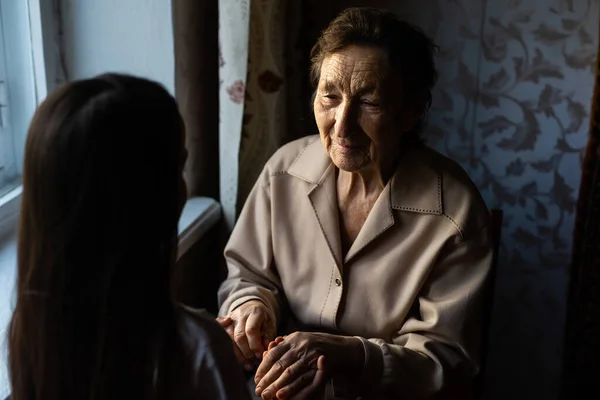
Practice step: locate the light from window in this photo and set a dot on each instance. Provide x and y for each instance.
(17, 90)
(9, 176)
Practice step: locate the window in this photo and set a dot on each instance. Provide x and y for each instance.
(26, 51)
(20, 49)
(9, 175)
(22, 86)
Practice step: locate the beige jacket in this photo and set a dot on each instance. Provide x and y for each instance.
(410, 286)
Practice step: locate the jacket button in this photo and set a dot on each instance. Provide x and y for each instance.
(338, 282)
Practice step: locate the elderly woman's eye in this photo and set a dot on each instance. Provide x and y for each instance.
(330, 96)
(368, 103)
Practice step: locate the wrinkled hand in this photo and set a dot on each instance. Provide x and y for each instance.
(251, 328)
(294, 367)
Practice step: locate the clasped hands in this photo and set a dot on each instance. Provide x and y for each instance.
(290, 367)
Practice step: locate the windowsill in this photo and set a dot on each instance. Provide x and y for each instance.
(199, 215)
(10, 204)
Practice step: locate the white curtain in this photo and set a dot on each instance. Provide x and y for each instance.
(252, 94)
(234, 17)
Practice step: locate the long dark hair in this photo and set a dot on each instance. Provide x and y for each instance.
(97, 241)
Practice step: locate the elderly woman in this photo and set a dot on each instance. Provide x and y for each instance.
(368, 249)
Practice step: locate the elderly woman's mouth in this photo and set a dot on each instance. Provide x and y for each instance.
(348, 147)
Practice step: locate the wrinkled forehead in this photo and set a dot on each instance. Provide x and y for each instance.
(355, 69)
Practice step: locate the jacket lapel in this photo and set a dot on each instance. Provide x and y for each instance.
(323, 200)
(415, 187)
(314, 166)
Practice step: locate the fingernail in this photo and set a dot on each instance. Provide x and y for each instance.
(266, 395)
(281, 394)
(258, 355)
(258, 390)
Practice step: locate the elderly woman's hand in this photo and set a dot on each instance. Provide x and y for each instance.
(295, 366)
(251, 328)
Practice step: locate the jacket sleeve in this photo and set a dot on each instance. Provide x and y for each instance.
(249, 256)
(218, 375)
(437, 349)
(223, 376)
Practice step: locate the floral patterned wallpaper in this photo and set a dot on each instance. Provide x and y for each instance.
(512, 106)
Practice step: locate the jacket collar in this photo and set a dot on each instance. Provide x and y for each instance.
(416, 185)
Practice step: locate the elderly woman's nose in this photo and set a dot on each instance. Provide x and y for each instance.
(345, 120)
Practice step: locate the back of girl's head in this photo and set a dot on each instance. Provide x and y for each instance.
(102, 193)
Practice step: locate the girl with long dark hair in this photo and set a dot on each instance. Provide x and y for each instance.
(102, 195)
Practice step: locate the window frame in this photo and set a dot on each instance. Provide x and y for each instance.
(43, 32)
(7, 154)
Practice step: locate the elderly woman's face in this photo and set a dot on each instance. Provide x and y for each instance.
(357, 108)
